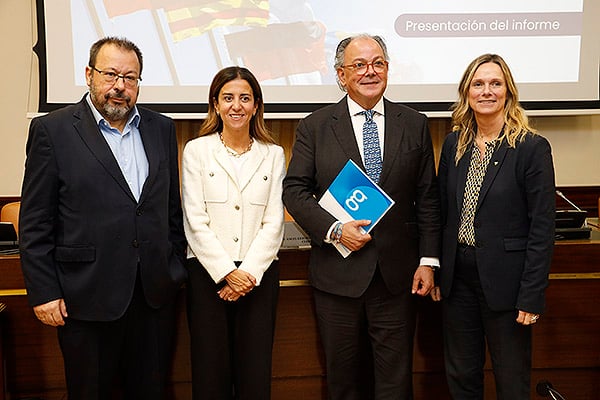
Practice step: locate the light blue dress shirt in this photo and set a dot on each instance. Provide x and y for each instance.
(127, 147)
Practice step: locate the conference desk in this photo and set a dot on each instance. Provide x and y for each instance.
(566, 340)
(2, 375)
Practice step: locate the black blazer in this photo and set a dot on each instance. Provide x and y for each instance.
(514, 221)
(325, 141)
(82, 233)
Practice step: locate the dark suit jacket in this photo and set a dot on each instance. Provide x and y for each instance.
(514, 221)
(325, 141)
(82, 233)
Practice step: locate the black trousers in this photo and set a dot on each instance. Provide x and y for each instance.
(368, 337)
(468, 324)
(124, 359)
(231, 342)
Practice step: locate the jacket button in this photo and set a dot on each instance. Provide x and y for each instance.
(139, 212)
(135, 243)
(237, 207)
(265, 178)
(211, 174)
(235, 239)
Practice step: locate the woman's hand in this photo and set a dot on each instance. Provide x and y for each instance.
(228, 294)
(240, 281)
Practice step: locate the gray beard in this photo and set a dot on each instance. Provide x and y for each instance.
(108, 111)
(115, 113)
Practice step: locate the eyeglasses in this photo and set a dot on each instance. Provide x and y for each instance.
(361, 68)
(110, 77)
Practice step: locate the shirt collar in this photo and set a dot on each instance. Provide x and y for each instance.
(355, 109)
(134, 116)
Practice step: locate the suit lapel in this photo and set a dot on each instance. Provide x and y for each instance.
(491, 173)
(222, 158)
(492, 170)
(344, 132)
(255, 159)
(150, 141)
(394, 132)
(88, 130)
(461, 174)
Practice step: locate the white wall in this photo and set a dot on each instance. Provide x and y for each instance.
(575, 139)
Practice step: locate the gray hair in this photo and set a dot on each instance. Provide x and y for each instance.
(121, 42)
(341, 50)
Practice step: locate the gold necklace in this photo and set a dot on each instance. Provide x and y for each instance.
(234, 153)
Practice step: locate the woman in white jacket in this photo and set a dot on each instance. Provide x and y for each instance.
(233, 217)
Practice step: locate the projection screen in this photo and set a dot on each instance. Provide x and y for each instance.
(551, 46)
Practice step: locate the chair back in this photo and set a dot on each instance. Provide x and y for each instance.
(10, 213)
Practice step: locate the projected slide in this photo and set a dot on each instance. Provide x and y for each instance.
(551, 45)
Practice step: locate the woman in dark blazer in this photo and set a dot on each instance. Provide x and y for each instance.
(497, 196)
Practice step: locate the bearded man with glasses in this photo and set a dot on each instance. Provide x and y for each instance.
(366, 302)
(101, 231)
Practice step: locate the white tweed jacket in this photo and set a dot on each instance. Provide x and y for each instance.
(227, 219)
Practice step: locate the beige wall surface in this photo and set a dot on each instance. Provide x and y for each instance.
(575, 139)
(575, 144)
(16, 38)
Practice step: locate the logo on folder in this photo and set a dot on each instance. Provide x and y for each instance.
(352, 196)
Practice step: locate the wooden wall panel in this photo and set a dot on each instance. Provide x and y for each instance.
(284, 132)
(573, 319)
(297, 350)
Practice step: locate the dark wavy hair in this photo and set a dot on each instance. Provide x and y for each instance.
(213, 122)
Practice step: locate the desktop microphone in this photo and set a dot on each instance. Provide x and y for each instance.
(558, 192)
(545, 389)
(570, 218)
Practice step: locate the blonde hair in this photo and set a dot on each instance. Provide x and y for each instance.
(516, 123)
(213, 122)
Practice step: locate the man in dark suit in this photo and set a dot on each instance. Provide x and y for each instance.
(369, 293)
(101, 231)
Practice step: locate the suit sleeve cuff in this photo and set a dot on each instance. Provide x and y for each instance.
(433, 262)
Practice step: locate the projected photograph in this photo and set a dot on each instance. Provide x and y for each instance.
(290, 45)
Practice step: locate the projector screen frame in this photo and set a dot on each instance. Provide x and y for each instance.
(292, 109)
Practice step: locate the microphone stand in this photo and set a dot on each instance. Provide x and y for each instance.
(562, 196)
(555, 395)
(545, 389)
(558, 192)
